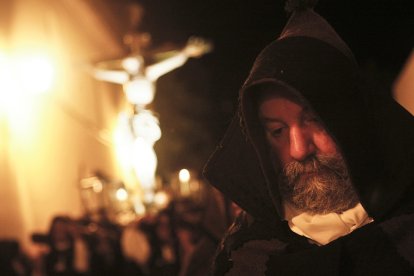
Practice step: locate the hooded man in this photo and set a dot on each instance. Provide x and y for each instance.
(322, 170)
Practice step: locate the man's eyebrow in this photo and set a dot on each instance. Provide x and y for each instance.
(307, 109)
(270, 120)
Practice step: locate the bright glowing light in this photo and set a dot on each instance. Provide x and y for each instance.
(145, 163)
(139, 207)
(35, 72)
(139, 91)
(161, 199)
(8, 89)
(184, 175)
(123, 139)
(148, 197)
(8, 85)
(121, 194)
(22, 75)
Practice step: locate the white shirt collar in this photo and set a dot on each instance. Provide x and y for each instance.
(323, 229)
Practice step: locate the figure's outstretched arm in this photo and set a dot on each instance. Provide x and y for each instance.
(154, 71)
(195, 47)
(114, 76)
(115, 70)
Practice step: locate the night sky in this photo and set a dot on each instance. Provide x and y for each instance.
(380, 33)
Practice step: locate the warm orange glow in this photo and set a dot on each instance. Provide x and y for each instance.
(25, 74)
(8, 89)
(51, 141)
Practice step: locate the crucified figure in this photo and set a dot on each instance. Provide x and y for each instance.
(138, 78)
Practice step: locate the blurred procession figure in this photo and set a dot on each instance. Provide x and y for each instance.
(322, 169)
(78, 247)
(69, 252)
(180, 240)
(151, 246)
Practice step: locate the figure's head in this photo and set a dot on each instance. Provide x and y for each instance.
(60, 229)
(312, 173)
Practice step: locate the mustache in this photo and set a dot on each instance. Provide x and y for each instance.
(315, 165)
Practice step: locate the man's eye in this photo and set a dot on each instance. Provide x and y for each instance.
(277, 132)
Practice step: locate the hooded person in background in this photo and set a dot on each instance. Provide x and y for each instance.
(322, 170)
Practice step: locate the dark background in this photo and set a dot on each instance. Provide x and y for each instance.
(197, 101)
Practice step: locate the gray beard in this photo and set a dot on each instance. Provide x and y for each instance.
(318, 185)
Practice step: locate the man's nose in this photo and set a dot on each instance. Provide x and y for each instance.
(301, 144)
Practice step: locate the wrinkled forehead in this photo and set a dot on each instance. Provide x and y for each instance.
(266, 91)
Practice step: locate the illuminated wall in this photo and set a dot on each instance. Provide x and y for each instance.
(404, 85)
(52, 138)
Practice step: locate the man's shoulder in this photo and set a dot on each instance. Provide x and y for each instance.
(375, 249)
(400, 231)
(382, 246)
